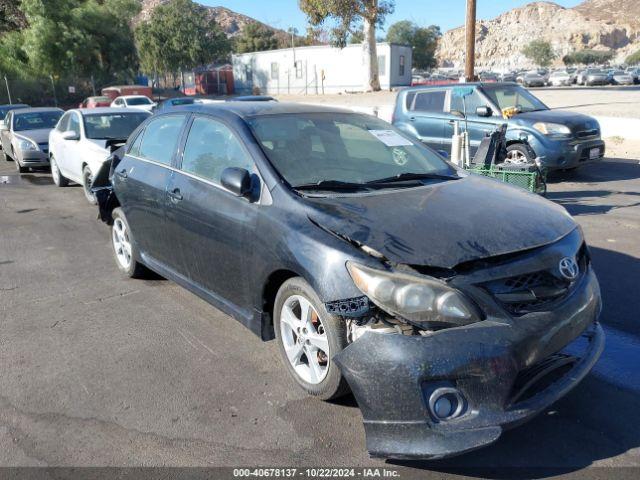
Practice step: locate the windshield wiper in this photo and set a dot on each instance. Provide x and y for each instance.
(332, 185)
(402, 177)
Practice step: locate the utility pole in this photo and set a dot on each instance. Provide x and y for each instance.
(470, 56)
(6, 82)
(53, 88)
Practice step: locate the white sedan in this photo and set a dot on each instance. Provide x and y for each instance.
(133, 101)
(84, 138)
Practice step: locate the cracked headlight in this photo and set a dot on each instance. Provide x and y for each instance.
(26, 145)
(424, 301)
(552, 129)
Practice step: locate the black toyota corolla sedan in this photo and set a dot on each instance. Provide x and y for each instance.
(451, 305)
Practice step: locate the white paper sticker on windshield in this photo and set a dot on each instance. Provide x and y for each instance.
(390, 138)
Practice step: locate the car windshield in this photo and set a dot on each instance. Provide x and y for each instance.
(314, 148)
(138, 101)
(35, 120)
(112, 125)
(513, 96)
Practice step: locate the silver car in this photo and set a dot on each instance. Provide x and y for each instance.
(620, 77)
(560, 78)
(596, 77)
(25, 136)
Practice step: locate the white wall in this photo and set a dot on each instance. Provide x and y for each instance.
(343, 70)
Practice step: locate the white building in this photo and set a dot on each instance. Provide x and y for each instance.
(319, 69)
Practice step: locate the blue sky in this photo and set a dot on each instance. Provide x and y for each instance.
(446, 13)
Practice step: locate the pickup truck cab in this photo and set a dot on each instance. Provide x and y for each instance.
(560, 139)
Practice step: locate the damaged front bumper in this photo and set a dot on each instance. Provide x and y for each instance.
(504, 373)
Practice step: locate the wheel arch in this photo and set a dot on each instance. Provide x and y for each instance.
(269, 291)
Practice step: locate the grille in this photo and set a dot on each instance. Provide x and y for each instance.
(588, 133)
(533, 291)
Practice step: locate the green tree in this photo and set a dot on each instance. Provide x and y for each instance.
(633, 59)
(423, 41)
(587, 57)
(78, 37)
(539, 52)
(178, 36)
(347, 17)
(255, 37)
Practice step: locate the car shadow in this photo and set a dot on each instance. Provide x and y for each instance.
(596, 421)
(608, 170)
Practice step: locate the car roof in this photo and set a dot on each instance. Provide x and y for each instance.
(103, 110)
(254, 109)
(419, 88)
(40, 109)
(133, 96)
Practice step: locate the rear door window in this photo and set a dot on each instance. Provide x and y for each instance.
(431, 101)
(160, 139)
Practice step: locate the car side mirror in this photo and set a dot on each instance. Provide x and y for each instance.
(237, 181)
(484, 111)
(443, 154)
(70, 135)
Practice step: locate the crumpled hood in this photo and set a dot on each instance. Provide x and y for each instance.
(444, 224)
(40, 135)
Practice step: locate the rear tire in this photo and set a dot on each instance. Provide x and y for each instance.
(59, 179)
(124, 247)
(303, 340)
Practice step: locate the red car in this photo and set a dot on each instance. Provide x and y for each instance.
(94, 102)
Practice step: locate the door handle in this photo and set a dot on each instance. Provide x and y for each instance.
(175, 195)
(452, 122)
(412, 119)
(122, 173)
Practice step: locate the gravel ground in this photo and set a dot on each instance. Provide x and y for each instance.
(98, 370)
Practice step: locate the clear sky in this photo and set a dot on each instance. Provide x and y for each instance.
(446, 13)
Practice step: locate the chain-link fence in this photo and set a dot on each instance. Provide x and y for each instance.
(47, 91)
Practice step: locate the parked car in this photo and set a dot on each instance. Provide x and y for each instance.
(134, 101)
(635, 74)
(25, 136)
(252, 98)
(429, 292)
(508, 77)
(533, 79)
(116, 91)
(4, 109)
(84, 138)
(581, 77)
(560, 78)
(595, 76)
(170, 103)
(488, 77)
(95, 102)
(559, 139)
(620, 77)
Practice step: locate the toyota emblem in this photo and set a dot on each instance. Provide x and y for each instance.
(569, 268)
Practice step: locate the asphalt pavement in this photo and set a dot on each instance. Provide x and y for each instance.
(98, 370)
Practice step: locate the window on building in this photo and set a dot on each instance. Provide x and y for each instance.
(298, 66)
(274, 71)
(382, 65)
(430, 101)
(401, 66)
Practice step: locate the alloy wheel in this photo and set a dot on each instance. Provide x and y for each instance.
(304, 339)
(121, 243)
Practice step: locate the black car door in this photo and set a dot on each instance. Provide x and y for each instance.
(140, 182)
(213, 227)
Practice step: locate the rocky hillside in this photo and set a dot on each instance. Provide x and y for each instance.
(594, 24)
(231, 22)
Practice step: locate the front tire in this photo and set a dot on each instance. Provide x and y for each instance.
(59, 179)
(87, 183)
(518, 154)
(124, 248)
(308, 338)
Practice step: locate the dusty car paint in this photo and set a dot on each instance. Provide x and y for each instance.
(471, 233)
